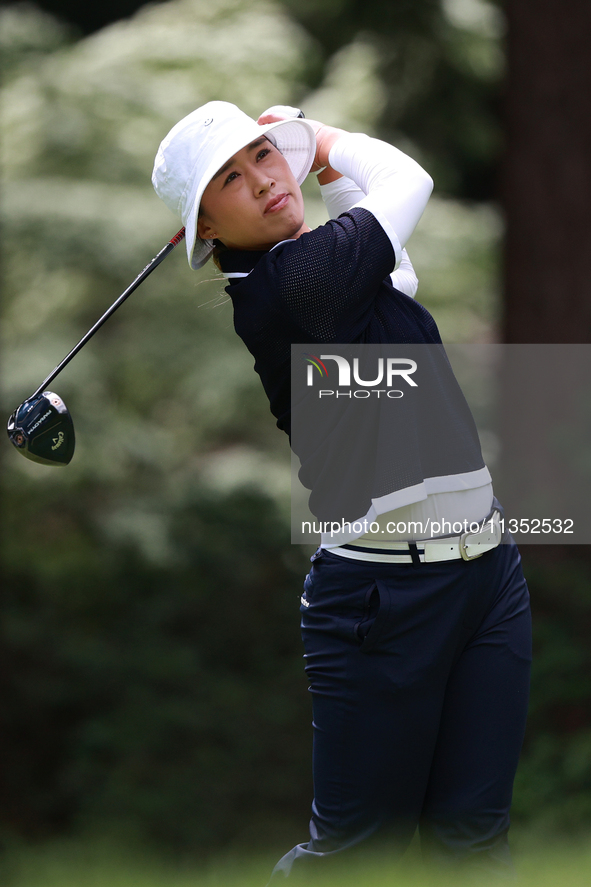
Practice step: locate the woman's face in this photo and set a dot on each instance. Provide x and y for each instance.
(253, 201)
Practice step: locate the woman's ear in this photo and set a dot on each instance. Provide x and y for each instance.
(204, 229)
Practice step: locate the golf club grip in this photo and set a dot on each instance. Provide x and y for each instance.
(174, 241)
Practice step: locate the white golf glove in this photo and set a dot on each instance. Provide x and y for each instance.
(283, 111)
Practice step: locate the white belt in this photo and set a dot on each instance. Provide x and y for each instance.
(467, 546)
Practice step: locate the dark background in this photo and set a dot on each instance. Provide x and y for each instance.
(89, 17)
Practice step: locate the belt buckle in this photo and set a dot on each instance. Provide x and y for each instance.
(463, 551)
(497, 531)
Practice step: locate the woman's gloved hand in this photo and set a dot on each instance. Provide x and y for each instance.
(326, 136)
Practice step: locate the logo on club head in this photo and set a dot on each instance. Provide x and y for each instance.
(58, 441)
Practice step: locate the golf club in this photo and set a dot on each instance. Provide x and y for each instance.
(41, 428)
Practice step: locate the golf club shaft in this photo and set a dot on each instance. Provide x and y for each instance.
(139, 279)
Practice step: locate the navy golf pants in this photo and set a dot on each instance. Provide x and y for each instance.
(419, 679)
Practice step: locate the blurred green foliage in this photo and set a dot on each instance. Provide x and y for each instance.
(69, 863)
(160, 701)
(440, 65)
(553, 785)
(151, 674)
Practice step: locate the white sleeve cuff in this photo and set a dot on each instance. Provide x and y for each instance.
(405, 278)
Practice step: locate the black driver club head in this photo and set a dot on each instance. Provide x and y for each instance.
(42, 430)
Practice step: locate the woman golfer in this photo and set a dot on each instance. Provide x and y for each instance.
(417, 644)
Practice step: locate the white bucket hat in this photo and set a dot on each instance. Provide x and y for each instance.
(202, 142)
